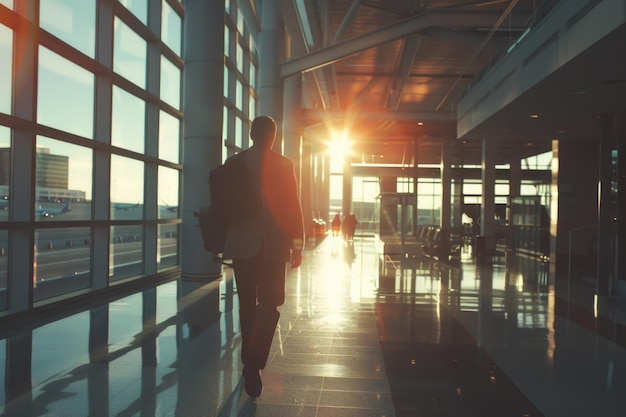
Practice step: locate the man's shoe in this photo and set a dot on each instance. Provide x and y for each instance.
(254, 385)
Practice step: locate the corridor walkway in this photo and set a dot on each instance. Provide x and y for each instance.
(358, 337)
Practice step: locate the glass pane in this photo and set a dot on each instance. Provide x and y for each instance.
(225, 122)
(168, 193)
(170, 83)
(129, 54)
(126, 188)
(238, 132)
(240, 21)
(125, 252)
(64, 174)
(239, 58)
(129, 121)
(74, 22)
(252, 114)
(239, 95)
(226, 40)
(252, 79)
(171, 28)
(65, 95)
(62, 261)
(169, 137)
(5, 171)
(168, 246)
(137, 7)
(6, 56)
(8, 3)
(225, 81)
(4, 256)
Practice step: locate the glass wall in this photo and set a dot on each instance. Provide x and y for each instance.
(98, 165)
(239, 80)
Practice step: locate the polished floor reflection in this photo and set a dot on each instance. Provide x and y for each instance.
(359, 335)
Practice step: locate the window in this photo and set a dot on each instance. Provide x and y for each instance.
(225, 81)
(128, 121)
(6, 54)
(169, 137)
(137, 7)
(62, 261)
(74, 22)
(63, 184)
(239, 58)
(252, 109)
(5, 173)
(8, 3)
(171, 28)
(168, 193)
(4, 256)
(129, 54)
(226, 41)
(170, 83)
(125, 252)
(238, 132)
(239, 95)
(126, 188)
(65, 96)
(252, 76)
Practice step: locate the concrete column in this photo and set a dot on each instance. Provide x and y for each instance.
(292, 123)
(21, 240)
(445, 218)
(306, 189)
(324, 206)
(203, 54)
(271, 54)
(574, 209)
(621, 208)
(488, 206)
(388, 209)
(346, 199)
(605, 263)
(515, 171)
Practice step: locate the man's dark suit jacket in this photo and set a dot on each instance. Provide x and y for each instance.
(278, 225)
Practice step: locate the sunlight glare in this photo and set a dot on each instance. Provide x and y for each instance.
(339, 146)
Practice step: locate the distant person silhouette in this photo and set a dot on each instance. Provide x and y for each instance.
(261, 245)
(349, 227)
(336, 224)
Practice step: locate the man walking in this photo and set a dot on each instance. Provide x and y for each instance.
(261, 244)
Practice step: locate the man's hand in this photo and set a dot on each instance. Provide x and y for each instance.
(296, 258)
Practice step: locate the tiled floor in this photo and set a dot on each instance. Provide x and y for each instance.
(357, 337)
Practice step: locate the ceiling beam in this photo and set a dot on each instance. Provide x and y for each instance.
(412, 25)
(314, 116)
(403, 71)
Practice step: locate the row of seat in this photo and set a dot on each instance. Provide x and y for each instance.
(439, 242)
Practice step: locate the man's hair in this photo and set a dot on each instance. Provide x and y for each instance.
(263, 129)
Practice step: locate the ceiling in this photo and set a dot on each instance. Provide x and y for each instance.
(390, 72)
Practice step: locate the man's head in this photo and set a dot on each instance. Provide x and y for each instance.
(263, 131)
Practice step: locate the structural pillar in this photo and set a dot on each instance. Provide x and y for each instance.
(605, 215)
(203, 31)
(445, 218)
(346, 200)
(488, 205)
(271, 54)
(292, 123)
(621, 208)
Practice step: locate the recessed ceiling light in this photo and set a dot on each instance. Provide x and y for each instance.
(534, 116)
(420, 123)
